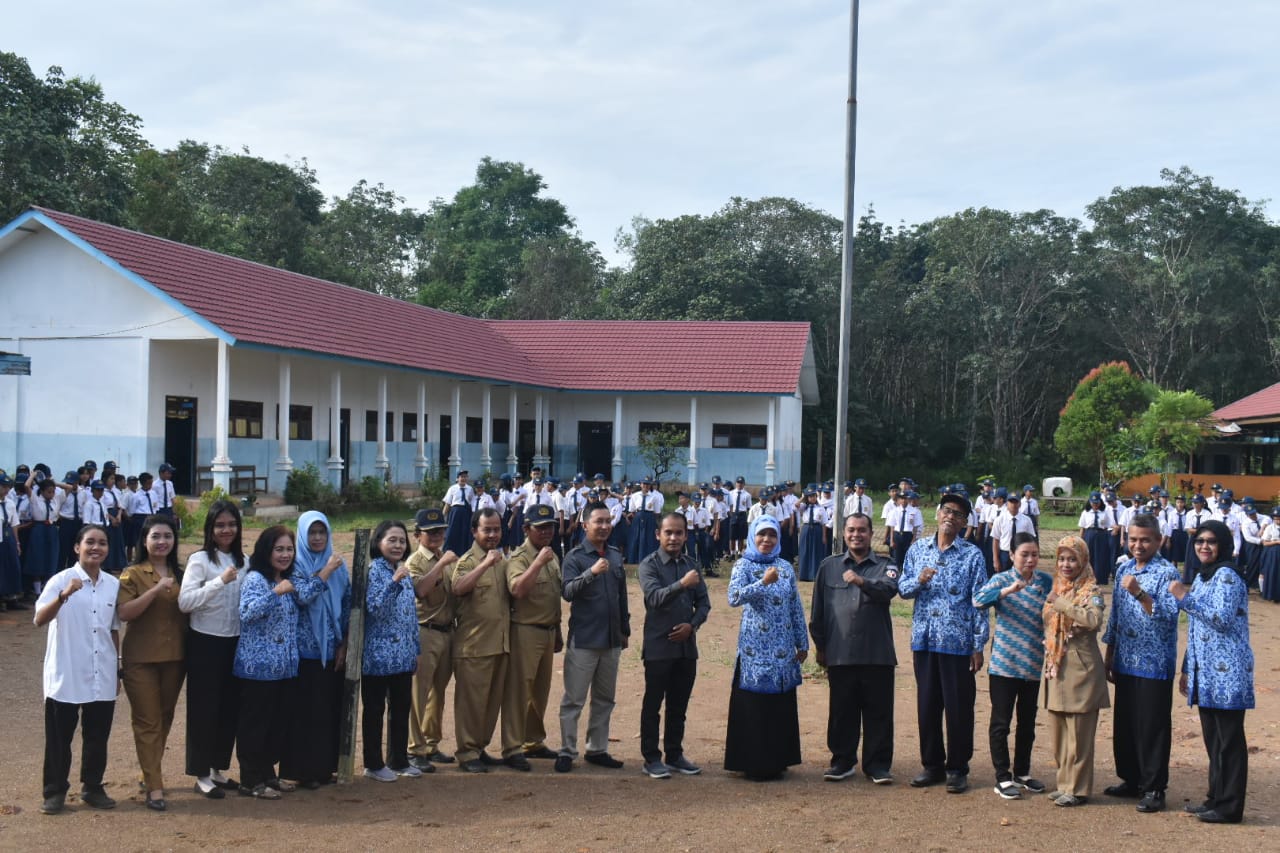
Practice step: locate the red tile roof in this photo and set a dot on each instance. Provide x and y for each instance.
(1264, 404)
(258, 304)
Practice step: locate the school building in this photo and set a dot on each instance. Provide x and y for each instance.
(144, 350)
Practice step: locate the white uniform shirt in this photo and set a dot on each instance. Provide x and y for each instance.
(815, 514)
(163, 494)
(858, 503)
(1103, 518)
(94, 510)
(1271, 532)
(72, 506)
(458, 495)
(740, 500)
(213, 605)
(1251, 529)
(1005, 526)
(1232, 521)
(1030, 507)
(79, 655)
(142, 503)
(8, 512)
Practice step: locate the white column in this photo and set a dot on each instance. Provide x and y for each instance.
(770, 465)
(221, 463)
(692, 464)
(539, 436)
(284, 463)
(486, 429)
(617, 438)
(420, 459)
(335, 461)
(455, 434)
(381, 464)
(513, 432)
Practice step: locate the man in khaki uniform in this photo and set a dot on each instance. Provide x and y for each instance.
(428, 567)
(481, 641)
(533, 578)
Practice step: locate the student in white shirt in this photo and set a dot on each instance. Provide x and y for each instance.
(81, 670)
(1008, 523)
(210, 594)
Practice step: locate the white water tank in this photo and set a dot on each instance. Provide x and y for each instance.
(1056, 487)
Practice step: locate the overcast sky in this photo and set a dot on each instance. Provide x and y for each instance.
(662, 108)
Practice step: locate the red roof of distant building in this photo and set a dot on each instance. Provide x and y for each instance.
(1264, 404)
(259, 304)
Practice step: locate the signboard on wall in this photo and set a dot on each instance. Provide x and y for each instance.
(13, 364)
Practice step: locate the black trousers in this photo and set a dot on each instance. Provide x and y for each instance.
(311, 748)
(213, 702)
(67, 530)
(671, 681)
(1143, 731)
(392, 694)
(1006, 695)
(1228, 760)
(60, 719)
(861, 702)
(263, 728)
(945, 688)
(901, 544)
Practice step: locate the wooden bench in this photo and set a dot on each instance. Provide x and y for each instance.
(244, 479)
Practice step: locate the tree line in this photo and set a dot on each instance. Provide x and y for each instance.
(970, 331)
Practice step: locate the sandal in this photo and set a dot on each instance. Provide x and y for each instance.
(261, 791)
(279, 784)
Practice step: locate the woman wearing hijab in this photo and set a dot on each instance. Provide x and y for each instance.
(311, 755)
(1217, 670)
(763, 737)
(1075, 678)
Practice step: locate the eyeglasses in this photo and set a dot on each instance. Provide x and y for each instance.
(948, 512)
(1204, 541)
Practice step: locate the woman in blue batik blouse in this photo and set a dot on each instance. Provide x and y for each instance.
(1217, 671)
(390, 655)
(267, 660)
(763, 737)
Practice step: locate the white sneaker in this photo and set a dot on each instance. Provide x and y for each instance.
(1009, 790)
(382, 774)
(408, 771)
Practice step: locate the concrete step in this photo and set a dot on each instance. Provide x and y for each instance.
(279, 512)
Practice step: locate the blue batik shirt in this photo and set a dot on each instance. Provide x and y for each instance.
(944, 619)
(772, 628)
(1219, 660)
(268, 646)
(1144, 645)
(390, 623)
(1017, 647)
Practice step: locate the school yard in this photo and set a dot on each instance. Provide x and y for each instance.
(593, 809)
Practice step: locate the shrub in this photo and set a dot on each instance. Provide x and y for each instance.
(433, 489)
(374, 493)
(306, 489)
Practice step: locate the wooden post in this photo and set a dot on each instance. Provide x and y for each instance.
(355, 658)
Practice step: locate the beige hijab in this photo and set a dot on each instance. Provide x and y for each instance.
(1057, 626)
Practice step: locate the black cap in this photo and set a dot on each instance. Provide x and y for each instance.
(429, 519)
(539, 514)
(957, 499)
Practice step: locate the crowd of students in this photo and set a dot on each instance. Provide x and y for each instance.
(260, 639)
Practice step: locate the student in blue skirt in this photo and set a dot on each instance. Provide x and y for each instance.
(1096, 524)
(10, 564)
(1269, 576)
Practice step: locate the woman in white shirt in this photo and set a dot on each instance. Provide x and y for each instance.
(211, 595)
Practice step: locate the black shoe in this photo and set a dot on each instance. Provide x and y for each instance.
(97, 799)
(228, 784)
(839, 771)
(1152, 801)
(563, 763)
(54, 804)
(880, 777)
(1193, 808)
(541, 752)
(214, 793)
(439, 757)
(602, 759)
(488, 760)
(957, 783)
(156, 805)
(423, 763)
(1215, 816)
(309, 784)
(1124, 790)
(475, 765)
(928, 778)
(517, 762)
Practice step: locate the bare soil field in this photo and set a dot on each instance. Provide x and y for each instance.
(593, 809)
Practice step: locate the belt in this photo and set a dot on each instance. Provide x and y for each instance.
(443, 629)
(550, 627)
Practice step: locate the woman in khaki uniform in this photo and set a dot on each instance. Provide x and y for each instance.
(1075, 680)
(153, 651)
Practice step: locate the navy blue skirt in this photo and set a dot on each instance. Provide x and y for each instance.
(645, 535)
(513, 528)
(1270, 576)
(812, 551)
(1102, 554)
(10, 565)
(41, 558)
(457, 537)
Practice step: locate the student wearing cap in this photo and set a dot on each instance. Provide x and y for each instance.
(1176, 548)
(1229, 513)
(1269, 574)
(324, 612)
(1096, 523)
(162, 493)
(459, 503)
(676, 604)
(595, 585)
(1199, 515)
(615, 499)
(888, 509)
(513, 515)
(534, 582)
(944, 574)
(116, 514)
(811, 519)
(10, 559)
(904, 521)
(429, 570)
(1141, 656)
(40, 559)
(1031, 508)
(858, 501)
(1008, 523)
(1250, 559)
(571, 504)
(481, 643)
(140, 504)
(644, 521)
(739, 504)
(853, 638)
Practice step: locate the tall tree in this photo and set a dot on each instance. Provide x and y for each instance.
(368, 240)
(1105, 401)
(63, 144)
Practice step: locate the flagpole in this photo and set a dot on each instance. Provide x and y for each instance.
(846, 286)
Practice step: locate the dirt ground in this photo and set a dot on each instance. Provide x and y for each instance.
(592, 809)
